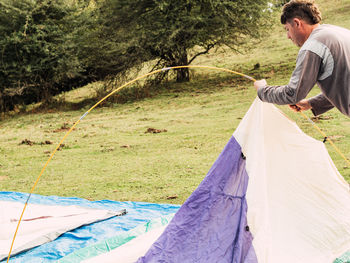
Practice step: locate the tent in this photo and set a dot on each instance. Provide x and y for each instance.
(273, 195)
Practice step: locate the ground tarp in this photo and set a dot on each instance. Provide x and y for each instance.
(138, 213)
(42, 223)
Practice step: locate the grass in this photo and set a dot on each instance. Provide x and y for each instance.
(110, 154)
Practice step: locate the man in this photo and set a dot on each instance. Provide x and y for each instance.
(324, 58)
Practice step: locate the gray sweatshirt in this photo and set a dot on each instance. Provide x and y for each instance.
(324, 59)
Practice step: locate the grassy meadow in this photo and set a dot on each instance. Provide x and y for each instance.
(113, 153)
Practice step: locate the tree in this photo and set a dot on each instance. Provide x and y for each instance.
(167, 31)
(279, 3)
(47, 47)
(36, 50)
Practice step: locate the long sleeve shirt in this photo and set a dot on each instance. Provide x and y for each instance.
(324, 59)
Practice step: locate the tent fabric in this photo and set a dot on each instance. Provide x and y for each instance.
(298, 203)
(138, 213)
(110, 244)
(211, 225)
(42, 223)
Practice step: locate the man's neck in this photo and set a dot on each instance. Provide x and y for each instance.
(308, 30)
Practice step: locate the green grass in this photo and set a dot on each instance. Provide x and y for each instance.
(94, 163)
(109, 155)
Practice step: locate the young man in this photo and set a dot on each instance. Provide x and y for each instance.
(324, 58)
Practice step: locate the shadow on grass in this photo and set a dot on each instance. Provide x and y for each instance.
(200, 83)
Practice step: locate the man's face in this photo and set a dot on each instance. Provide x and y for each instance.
(295, 33)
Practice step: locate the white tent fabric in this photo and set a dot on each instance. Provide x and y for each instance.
(298, 203)
(41, 223)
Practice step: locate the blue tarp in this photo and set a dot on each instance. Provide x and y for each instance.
(137, 213)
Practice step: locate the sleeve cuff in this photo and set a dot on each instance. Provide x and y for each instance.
(260, 93)
(320, 104)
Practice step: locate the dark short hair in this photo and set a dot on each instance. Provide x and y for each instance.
(306, 10)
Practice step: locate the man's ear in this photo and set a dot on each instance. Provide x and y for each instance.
(297, 22)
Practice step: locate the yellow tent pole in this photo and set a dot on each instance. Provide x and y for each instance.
(110, 94)
(83, 116)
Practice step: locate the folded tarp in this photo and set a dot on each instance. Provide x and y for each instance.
(138, 213)
(42, 223)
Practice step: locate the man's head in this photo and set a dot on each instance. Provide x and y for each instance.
(299, 18)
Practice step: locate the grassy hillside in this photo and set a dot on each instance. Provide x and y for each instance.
(110, 155)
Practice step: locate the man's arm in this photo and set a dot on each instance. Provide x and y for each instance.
(320, 104)
(303, 79)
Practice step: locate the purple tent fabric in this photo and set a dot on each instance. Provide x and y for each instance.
(211, 226)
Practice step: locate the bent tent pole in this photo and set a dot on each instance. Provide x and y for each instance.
(115, 91)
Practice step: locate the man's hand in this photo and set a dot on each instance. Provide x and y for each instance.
(301, 106)
(260, 84)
